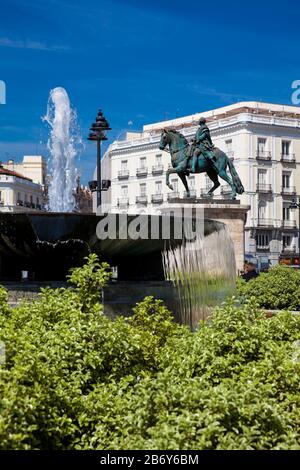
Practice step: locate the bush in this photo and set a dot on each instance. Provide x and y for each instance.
(74, 379)
(276, 290)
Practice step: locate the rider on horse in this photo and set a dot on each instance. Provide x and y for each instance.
(202, 145)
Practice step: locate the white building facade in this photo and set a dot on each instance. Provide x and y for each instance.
(22, 185)
(262, 139)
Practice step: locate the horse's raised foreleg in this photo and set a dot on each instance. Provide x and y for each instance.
(170, 171)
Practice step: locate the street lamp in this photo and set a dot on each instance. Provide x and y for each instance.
(98, 133)
(296, 205)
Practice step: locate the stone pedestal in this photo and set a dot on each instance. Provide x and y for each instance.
(231, 213)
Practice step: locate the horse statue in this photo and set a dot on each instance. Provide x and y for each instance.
(181, 153)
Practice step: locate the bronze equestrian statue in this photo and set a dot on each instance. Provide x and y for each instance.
(199, 157)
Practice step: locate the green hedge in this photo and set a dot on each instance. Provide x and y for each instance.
(277, 289)
(74, 379)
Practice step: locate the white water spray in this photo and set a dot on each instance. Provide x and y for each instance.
(63, 146)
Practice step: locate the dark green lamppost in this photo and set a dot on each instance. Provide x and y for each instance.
(296, 205)
(98, 133)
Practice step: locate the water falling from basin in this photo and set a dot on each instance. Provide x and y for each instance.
(203, 272)
(63, 145)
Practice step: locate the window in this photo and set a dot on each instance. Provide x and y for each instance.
(0, 195)
(143, 189)
(262, 177)
(228, 144)
(31, 199)
(262, 240)
(285, 147)
(123, 166)
(25, 197)
(261, 145)
(143, 162)
(286, 180)
(158, 187)
(262, 210)
(286, 212)
(286, 241)
(37, 201)
(192, 182)
(124, 191)
(158, 160)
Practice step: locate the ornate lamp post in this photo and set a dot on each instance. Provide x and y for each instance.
(296, 205)
(98, 133)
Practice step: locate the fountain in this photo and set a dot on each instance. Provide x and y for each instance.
(63, 146)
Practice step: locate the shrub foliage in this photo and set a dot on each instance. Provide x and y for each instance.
(276, 290)
(75, 379)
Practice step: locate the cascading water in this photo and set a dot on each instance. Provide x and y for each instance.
(63, 145)
(203, 272)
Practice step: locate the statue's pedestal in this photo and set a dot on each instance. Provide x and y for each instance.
(231, 213)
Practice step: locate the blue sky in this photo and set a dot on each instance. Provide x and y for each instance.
(141, 61)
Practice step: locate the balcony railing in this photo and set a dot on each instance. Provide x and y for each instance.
(289, 224)
(192, 193)
(123, 202)
(291, 191)
(142, 171)
(157, 198)
(288, 158)
(263, 247)
(263, 155)
(141, 199)
(289, 249)
(172, 196)
(123, 174)
(264, 188)
(157, 169)
(267, 223)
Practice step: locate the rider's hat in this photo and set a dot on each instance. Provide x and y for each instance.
(202, 120)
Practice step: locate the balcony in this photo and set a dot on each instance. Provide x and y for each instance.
(20, 202)
(157, 170)
(288, 158)
(192, 193)
(142, 199)
(27, 204)
(266, 223)
(263, 155)
(289, 249)
(264, 188)
(263, 247)
(172, 196)
(123, 174)
(157, 198)
(291, 191)
(142, 172)
(289, 224)
(123, 203)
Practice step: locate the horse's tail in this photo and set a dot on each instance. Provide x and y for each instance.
(235, 178)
